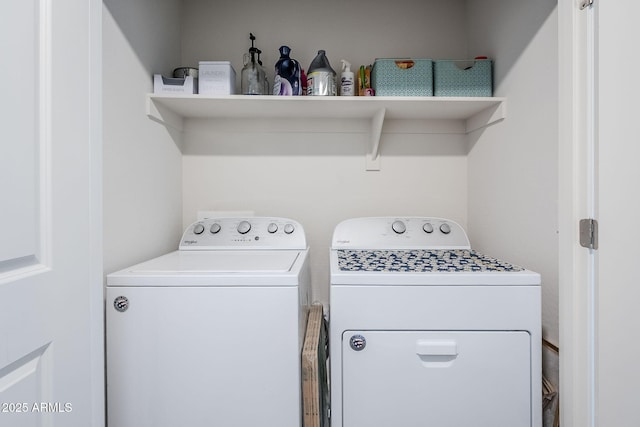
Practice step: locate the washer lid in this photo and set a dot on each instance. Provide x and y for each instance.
(214, 268)
(213, 262)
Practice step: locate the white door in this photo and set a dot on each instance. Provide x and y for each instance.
(51, 351)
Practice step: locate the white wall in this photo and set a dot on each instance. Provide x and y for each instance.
(358, 32)
(513, 167)
(319, 179)
(142, 164)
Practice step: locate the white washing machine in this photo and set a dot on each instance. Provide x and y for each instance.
(211, 334)
(425, 331)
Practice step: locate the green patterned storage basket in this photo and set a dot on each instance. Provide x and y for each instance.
(402, 77)
(463, 78)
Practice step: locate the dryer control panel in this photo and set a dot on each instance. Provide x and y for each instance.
(399, 233)
(244, 233)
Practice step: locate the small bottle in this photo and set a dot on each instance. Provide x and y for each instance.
(287, 74)
(267, 88)
(321, 78)
(252, 76)
(303, 82)
(346, 80)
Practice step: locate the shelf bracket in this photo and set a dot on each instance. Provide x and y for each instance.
(163, 115)
(373, 158)
(486, 117)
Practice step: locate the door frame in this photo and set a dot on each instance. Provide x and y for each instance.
(98, 391)
(576, 201)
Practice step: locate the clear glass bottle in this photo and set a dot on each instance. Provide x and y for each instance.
(252, 76)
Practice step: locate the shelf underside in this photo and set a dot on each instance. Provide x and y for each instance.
(241, 106)
(410, 114)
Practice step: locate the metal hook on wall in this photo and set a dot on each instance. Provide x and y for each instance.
(586, 3)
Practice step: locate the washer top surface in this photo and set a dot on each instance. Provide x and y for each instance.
(415, 251)
(226, 251)
(218, 262)
(219, 268)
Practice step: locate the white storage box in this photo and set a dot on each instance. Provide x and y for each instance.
(217, 78)
(174, 85)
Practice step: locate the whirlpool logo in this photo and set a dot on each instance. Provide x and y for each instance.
(189, 242)
(121, 303)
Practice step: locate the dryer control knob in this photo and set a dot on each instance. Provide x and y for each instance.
(244, 227)
(198, 229)
(215, 228)
(445, 228)
(272, 228)
(289, 228)
(398, 227)
(428, 228)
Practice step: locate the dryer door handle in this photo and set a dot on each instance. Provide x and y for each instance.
(436, 348)
(437, 353)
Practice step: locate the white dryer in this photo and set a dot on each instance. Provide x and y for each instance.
(211, 334)
(425, 331)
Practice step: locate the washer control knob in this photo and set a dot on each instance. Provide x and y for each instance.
(272, 228)
(398, 227)
(215, 228)
(198, 229)
(244, 227)
(357, 342)
(289, 228)
(445, 228)
(428, 228)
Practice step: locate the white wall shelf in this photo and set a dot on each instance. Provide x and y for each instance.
(419, 114)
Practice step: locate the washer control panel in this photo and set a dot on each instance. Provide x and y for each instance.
(244, 233)
(400, 233)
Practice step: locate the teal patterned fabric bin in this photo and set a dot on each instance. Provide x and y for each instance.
(463, 78)
(402, 77)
